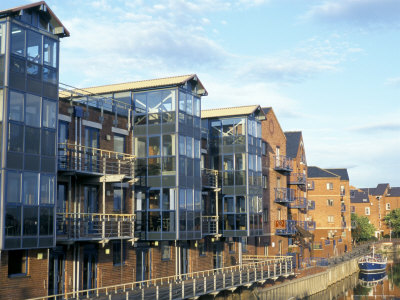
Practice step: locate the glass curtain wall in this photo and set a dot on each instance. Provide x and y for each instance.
(235, 145)
(31, 120)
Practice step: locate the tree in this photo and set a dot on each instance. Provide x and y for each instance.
(393, 220)
(362, 229)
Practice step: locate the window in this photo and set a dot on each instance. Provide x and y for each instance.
(17, 263)
(119, 143)
(264, 182)
(231, 246)
(329, 186)
(264, 148)
(13, 187)
(49, 113)
(16, 106)
(243, 240)
(47, 189)
(165, 251)
(330, 202)
(387, 206)
(34, 47)
(30, 193)
(330, 219)
(17, 40)
(119, 253)
(119, 199)
(367, 211)
(265, 215)
(202, 248)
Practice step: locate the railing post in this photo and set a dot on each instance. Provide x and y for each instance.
(215, 282)
(170, 291)
(205, 285)
(194, 288)
(157, 292)
(183, 289)
(223, 280)
(142, 294)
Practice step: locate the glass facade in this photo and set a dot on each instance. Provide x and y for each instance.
(167, 146)
(30, 114)
(235, 151)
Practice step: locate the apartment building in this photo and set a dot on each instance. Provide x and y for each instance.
(29, 60)
(329, 188)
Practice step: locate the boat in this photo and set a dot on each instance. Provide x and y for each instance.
(371, 279)
(372, 263)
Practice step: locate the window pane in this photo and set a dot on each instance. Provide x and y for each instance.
(169, 144)
(32, 112)
(182, 101)
(154, 199)
(168, 101)
(154, 102)
(189, 146)
(154, 119)
(32, 140)
(13, 221)
(229, 204)
(196, 148)
(49, 113)
(17, 40)
(46, 221)
(30, 195)
(182, 145)
(189, 199)
(2, 38)
(30, 220)
(189, 108)
(48, 142)
(168, 221)
(119, 143)
(196, 106)
(49, 75)
(34, 46)
(140, 146)
(47, 189)
(119, 199)
(16, 106)
(155, 221)
(168, 165)
(154, 146)
(13, 187)
(50, 52)
(154, 166)
(228, 162)
(34, 71)
(15, 137)
(140, 103)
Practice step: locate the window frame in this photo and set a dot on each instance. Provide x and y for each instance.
(119, 244)
(163, 246)
(24, 254)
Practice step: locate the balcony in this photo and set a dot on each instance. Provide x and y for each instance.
(285, 227)
(307, 225)
(311, 205)
(92, 161)
(310, 185)
(210, 225)
(94, 226)
(297, 178)
(342, 192)
(342, 208)
(283, 163)
(284, 195)
(327, 242)
(352, 209)
(343, 224)
(209, 178)
(299, 202)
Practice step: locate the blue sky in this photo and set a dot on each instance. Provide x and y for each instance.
(330, 68)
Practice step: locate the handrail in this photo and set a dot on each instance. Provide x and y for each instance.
(174, 278)
(97, 151)
(93, 215)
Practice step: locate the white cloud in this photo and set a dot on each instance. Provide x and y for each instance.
(394, 81)
(361, 12)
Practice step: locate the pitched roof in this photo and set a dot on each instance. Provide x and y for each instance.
(378, 191)
(42, 5)
(340, 172)
(266, 109)
(358, 196)
(394, 192)
(315, 172)
(228, 111)
(137, 85)
(292, 143)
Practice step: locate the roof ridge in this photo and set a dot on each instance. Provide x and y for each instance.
(221, 108)
(129, 82)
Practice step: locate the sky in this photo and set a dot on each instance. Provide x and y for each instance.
(329, 68)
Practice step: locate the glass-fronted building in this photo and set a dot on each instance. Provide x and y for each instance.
(29, 62)
(235, 151)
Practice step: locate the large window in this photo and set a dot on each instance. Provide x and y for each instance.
(119, 143)
(17, 263)
(17, 40)
(119, 253)
(165, 251)
(119, 199)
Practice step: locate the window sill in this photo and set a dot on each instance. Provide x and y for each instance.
(22, 275)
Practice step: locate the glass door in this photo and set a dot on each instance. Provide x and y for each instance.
(92, 160)
(89, 270)
(143, 261)
(56, 273)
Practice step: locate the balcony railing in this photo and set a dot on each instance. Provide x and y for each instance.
(299, 202)
(307, 225)
(352, 209)
(317, 246)
(327, 242)
(283, 163)
(342, 192)
(310, 185)
(342, 208)
(297, 178)
(209, 178)
(284, 195)
(285, 227)
(93, 226)
(92, 160)
(311, 205)
(210, 225)
(343, 224)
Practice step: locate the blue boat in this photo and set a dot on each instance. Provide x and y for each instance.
(372, 263)
(371, 279)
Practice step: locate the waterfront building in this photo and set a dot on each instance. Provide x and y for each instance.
(329, 188)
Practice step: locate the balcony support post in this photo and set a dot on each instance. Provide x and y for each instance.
(103, 224)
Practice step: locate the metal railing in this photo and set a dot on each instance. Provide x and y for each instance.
(310, 184)
(283, 163)
(210, 225)
(191, 285)
(299, 202)
(327, 242)
(284, 195)
(95, 226)
(285, 227)
(342, 208)
(93, 160)
(314, 261)
(209, 178)
(297, 178)
(307, 225)
(343, 223)
(311, 205)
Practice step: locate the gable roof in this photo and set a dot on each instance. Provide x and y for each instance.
(316, 172)
(378, 191)
(394, 192)
(136, 85)
(358, 196)
(229, 111)
(340, 172)
(42, 6)
(292, 143)
(266, 109)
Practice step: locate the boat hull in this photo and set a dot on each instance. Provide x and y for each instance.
(371, 267)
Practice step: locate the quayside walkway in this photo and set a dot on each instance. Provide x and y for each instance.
(192, 285)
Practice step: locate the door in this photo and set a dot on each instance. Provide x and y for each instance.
(61, 208)
(184, 258)
(91, 207)
(92, 160)
(89, 269)
(217, 255)
(63, 156)
(56, 272)
(143, 261)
